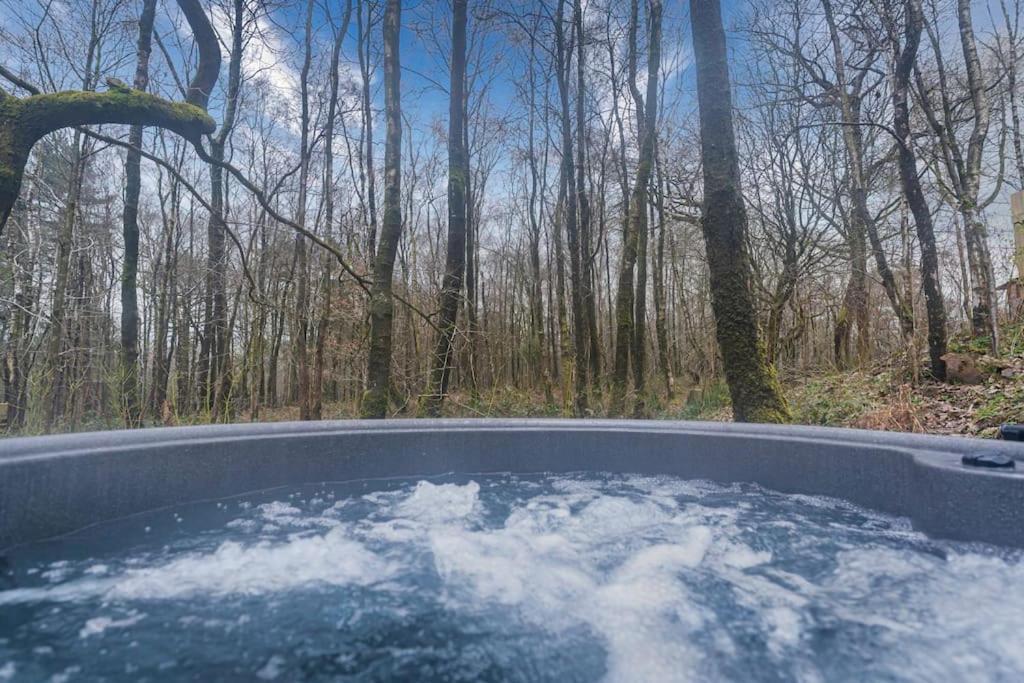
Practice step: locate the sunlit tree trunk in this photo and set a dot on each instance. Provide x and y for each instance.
(935, 305)
(588, 302)
(375, 399)
(455, 258)
(569, 213)
(753, 387)
(130, 406)
(627, 338)
(301, 249)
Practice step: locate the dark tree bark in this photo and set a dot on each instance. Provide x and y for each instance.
(130, 406)
(627, 338)
(660, 315)
(984, 312)
(455, 258)
(568, 170)
(301, 250)
(215, 359)
(753, 387)
(589, 303)
(935, 304)
(382, 305)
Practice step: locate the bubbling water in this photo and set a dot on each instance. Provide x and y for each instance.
(510, 577)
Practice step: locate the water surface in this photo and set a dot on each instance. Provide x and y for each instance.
(512, 578)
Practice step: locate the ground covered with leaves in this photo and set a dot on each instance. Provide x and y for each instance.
(887, 396)
(883, 397)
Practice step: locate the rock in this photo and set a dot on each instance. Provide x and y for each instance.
(963, 368)
(117, 84)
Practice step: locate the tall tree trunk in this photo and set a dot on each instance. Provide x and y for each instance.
(215, 363)
(367, 170)
(455, 258)
(640, 314)
(564, 336)
(660, 315)
(182, 360)
(472, 369)
(935, 304)
(55, 392)
(301, 251)
(568, 169)
(323, 325)
(537, 352)
(586, 250)
(130, 406)
(753, 387)
(624, 297)
(15, 361)
(627, 339)
(382, 305)
(853, 138)
(984, 312)
(166, 301)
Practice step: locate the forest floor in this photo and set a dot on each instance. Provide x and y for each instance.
(879, 398)
(862, 399)
(882, 397)
(885, 398)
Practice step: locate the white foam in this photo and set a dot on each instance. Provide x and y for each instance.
(550, 566)
(965, 606)
(440, 502)
(98, 625)
(65, 675)
(623, 560)
(272, 669)
(332, 558)
(646, 614)
(280, 514)
(232, 569)
(277, 510)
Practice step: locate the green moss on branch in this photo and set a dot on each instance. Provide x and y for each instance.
(24, 121)
(43, 114)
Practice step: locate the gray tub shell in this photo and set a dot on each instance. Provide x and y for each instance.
(56, 484)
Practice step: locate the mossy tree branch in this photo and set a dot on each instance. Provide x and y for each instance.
(25, 120)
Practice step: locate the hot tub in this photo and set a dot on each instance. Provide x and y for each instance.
(55, 484)
(537, 550)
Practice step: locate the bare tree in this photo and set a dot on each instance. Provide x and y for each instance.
(455, 259)
(628, 342)
(931, 278)
(129, 271)
(382, 305)
(755, 392)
